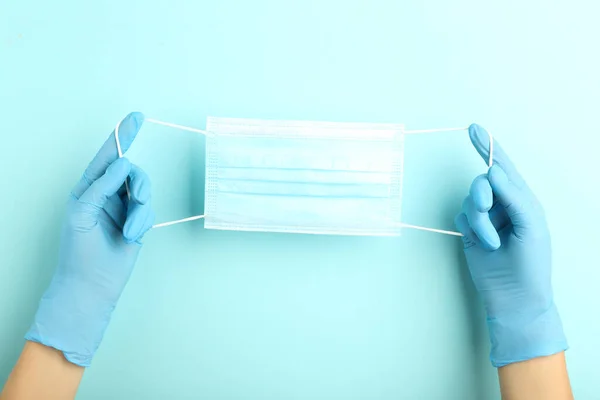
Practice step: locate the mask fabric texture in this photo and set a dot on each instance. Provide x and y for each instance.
(303, 177)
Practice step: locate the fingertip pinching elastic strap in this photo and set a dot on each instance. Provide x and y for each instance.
(120, 152)
(490, 163)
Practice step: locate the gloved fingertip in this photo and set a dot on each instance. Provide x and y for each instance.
(479, 138)
(492, 242)
(130, 232)
(131, 235)
(137, 117)
(141, 192)
(135, 237)
(482, 194)
(128, 240)
(473, 128)
(139, 221)
(476, 131)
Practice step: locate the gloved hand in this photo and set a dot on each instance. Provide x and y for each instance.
(507, 247)
(100, 243)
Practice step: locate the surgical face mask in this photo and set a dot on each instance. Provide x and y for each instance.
(303, 177)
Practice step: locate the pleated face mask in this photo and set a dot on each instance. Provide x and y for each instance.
(303, 177)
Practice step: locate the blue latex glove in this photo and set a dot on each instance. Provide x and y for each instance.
(507, 246)
(100, 243)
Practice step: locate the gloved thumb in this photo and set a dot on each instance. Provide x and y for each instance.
(514, 200)
(108, 184)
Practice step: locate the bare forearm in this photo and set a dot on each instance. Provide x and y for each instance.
(539, 378)
(42, 373)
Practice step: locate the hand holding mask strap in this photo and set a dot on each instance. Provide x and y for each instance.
(155, 121)
(204, 132)
(490, 163)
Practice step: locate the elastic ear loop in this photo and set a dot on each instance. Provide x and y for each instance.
(119, 150)
(203, 132)
(490, 163)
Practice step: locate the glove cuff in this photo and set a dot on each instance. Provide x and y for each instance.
(67, 321)
(525, 336)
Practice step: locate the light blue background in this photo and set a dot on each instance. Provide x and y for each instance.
(232, 315)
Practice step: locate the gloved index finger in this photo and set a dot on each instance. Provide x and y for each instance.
(481, 141)
(107, 154)
(139, 185)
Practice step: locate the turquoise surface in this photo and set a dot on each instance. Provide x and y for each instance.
(237, 315)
